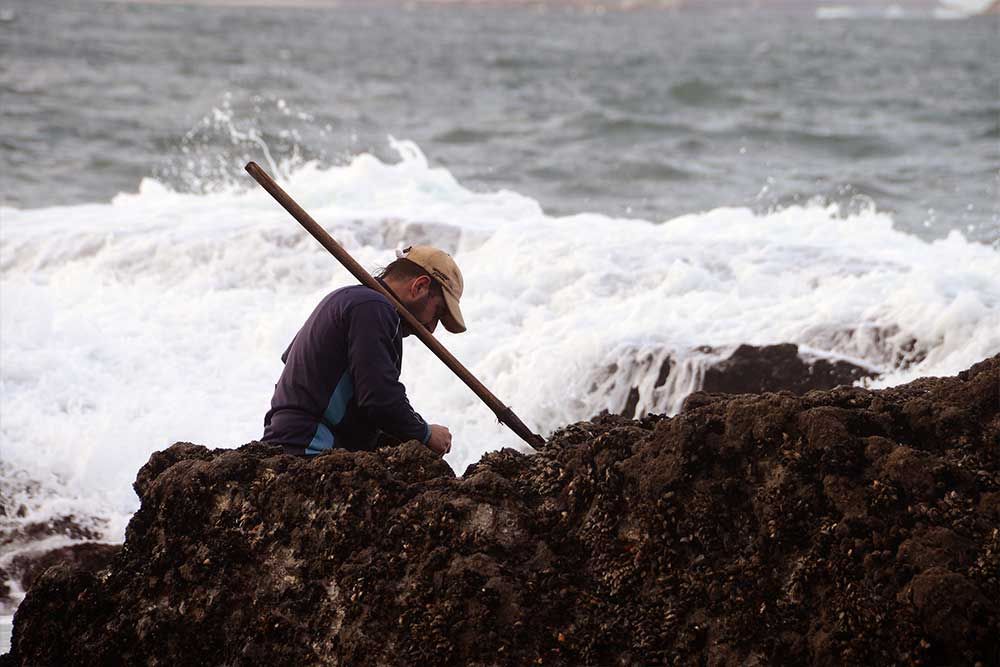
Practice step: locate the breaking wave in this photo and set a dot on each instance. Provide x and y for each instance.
(160, 316)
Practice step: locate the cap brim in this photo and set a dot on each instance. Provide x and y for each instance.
(453, 320)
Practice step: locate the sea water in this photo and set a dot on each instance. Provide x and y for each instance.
(161, 316)
(680, 202)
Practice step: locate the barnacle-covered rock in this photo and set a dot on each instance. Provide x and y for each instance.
(838, 527)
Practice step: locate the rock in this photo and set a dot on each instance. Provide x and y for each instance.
(68, 525)
(952, 609)
(839, 526)
(89, 556)
(935, 546)
(748, 370)
(778, 368)
(18, 540)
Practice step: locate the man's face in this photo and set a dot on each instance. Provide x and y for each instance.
(427, 304)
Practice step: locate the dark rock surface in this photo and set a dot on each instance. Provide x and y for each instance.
(778, 368)
(839, 527)
(89, 556)
(751, 369)
(18, 538)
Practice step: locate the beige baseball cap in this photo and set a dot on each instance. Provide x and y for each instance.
(443, 268)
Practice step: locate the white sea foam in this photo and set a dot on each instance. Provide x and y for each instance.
(961, 8)
(947, 9)
(161, 316)
(836, 12)
(5, 629)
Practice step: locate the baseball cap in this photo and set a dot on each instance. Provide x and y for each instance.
(443, 269)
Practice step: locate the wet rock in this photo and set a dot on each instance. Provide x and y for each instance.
(13, 534)
(749, 369)
(20, 538)
(753, 369)
(90, 556)
(837, 527)
(954, 612)
(936, 546)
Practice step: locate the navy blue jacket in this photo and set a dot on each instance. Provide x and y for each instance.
(340, 384)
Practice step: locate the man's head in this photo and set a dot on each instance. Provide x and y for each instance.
(428, 282)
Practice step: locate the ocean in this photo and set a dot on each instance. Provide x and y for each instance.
(617, 186)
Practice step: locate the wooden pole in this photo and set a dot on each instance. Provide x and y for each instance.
(503, 413)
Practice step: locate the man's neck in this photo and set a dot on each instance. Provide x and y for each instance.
(404, 328)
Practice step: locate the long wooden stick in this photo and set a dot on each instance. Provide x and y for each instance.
(503, 413)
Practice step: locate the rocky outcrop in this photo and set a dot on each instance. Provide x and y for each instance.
(839, 527)
(748, 369)
(22, 554)
(89, 556)
(751, 369)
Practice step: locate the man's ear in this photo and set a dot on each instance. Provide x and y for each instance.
(420, 284)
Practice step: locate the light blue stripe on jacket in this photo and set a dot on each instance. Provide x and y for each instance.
(334, 413)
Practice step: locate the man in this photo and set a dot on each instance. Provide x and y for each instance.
(340, 385)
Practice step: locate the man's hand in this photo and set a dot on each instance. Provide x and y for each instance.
(440, 440)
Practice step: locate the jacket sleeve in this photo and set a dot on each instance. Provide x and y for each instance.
(372, 362)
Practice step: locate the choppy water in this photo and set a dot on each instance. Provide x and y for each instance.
(617, 187)
(647, 113)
